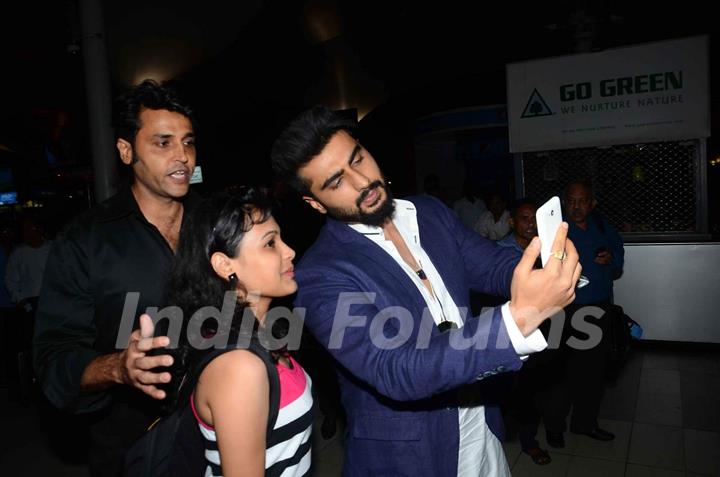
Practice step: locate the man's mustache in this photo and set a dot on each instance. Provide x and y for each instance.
(363, 195)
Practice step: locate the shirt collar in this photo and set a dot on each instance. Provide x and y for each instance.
(123, 204)
(120, 205)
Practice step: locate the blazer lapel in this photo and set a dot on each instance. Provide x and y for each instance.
(436, 246)
(371, 251)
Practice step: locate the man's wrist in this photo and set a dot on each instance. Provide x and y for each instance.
(103, 372)
(524, 344)
(118, 368)
(519, 318)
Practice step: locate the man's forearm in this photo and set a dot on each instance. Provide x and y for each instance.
(102, 373)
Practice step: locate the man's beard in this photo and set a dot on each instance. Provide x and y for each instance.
(376, 218)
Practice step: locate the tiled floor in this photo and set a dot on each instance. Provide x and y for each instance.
(664, 409)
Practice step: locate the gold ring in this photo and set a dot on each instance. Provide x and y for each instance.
(559, 254)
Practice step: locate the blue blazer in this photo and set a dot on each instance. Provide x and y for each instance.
(401, 397)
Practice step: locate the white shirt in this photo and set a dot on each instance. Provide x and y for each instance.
(479, 452)
(24, 271)
(469, 212)
(488, 228)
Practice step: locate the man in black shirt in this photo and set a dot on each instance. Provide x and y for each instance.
(110, 262)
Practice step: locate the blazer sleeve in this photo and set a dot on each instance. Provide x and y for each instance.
(488, 267)
(420, 362)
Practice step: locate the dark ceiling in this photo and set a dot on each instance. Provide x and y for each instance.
(399, 46)
(250, 64)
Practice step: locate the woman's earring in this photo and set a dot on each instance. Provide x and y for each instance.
(233, 280)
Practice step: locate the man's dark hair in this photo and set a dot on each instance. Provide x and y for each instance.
(520, 203)
(147, 95)
(304, 138)
(582, 182)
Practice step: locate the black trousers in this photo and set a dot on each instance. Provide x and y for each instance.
(524, 400)
(573, 375)
(532, 383)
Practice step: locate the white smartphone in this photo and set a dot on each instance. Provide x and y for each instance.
(549, 217)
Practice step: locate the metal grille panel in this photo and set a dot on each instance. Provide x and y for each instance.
(641, 188)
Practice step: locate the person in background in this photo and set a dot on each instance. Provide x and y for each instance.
(530, 379)
(23, 278)
(26, 266)
(581, 372)
(8, 370)
(470, 206)
(522, 223)
(494, 223)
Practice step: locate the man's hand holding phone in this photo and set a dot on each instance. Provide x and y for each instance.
(138, 366)
(538, 294)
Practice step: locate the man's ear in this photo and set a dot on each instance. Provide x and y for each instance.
(593, 204)
(511, 222)
(315, 204)
(221, 265)
(126, 151)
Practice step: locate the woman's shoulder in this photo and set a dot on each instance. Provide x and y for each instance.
(235, 367)
(234, 379)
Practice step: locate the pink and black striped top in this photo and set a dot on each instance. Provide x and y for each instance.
(288, 452)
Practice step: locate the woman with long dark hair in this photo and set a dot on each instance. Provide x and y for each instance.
(233, 244)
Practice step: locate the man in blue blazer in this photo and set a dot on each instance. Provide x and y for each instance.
(386, 290)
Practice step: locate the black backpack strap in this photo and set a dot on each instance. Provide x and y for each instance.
(187, 386)
(187, 457)
(274, 382)
(190, 380)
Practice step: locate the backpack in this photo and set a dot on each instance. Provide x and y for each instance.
(619, 332)
(622, 328)
(173, 445)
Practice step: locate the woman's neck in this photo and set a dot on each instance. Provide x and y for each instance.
(260, 308)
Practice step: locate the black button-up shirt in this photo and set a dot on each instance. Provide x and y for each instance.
(108, 252)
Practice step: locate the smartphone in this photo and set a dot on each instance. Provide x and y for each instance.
(549, 218)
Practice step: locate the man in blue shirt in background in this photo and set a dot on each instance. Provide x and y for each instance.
(523, 226)
(531, 380)
(599, 244)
